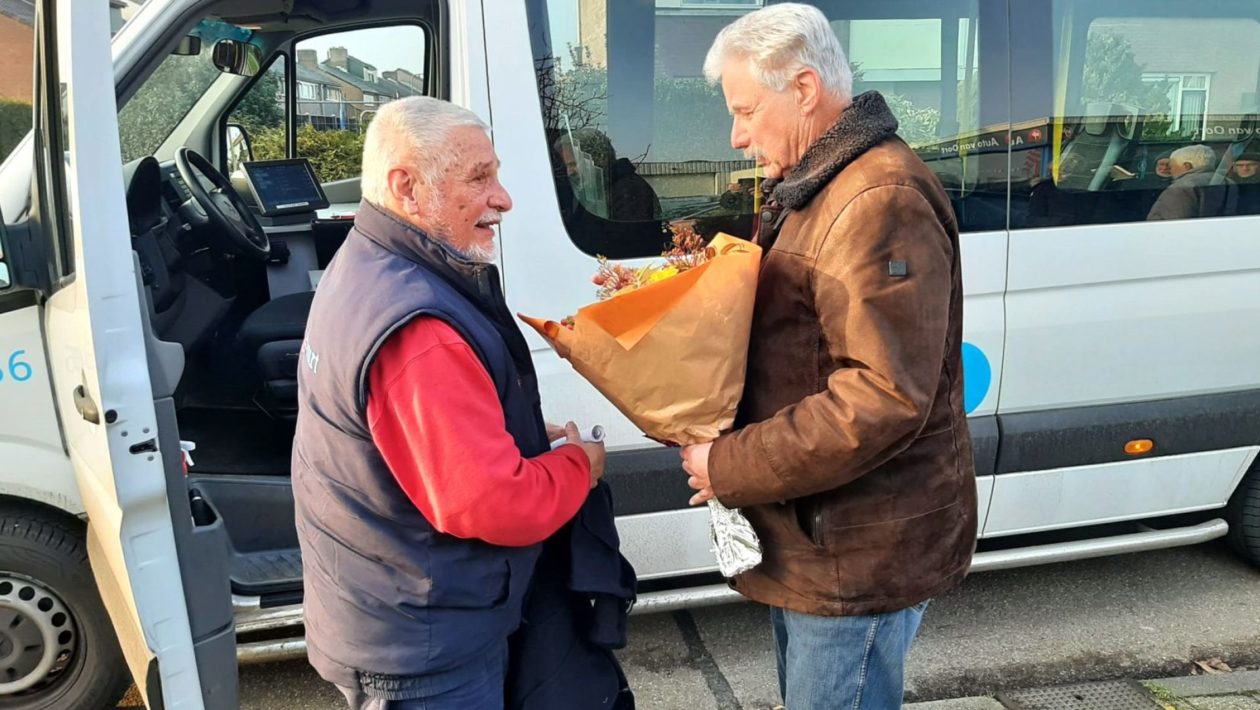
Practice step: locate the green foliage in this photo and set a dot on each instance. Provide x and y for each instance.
(916, 125)
(267, 144)
(162, 102)
(261, 108)
(15, 122)
(1113, 74)
(335, 154)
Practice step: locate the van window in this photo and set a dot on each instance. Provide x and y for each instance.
(170, 92)
(342, 80)
(1151, 114)
(638, 138)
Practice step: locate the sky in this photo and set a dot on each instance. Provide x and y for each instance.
(562, 15)
(385, 48)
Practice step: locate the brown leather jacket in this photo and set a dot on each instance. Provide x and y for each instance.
(851, 455)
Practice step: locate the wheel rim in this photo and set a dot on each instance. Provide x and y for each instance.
(38, 638)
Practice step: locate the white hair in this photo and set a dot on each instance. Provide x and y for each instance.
(779, 41)
(1200, 156)
(411, 132)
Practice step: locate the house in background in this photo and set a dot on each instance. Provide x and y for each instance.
(362, 86)
(413, 83)
(337, 92)
(17, 50)
(320, 101)
(17, 44)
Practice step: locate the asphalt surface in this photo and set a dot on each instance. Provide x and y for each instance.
(1145, 616)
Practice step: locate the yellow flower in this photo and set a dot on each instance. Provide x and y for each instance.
(662, 273)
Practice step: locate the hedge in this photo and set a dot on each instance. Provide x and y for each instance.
(335, 154)
(15, 122)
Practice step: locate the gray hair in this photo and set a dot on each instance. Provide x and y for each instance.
(1200, 156)
(779, 41)
(411, 132)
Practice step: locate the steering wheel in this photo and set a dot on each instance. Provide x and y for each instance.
(231, 217)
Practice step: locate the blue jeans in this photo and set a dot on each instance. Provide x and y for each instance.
(843, 662)
(477, 685)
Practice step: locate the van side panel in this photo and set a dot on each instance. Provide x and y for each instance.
(35, 464)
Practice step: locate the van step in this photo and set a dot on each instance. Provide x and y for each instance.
(266, 572)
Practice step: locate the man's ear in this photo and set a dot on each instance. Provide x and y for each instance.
(807, 90)
(402, 188)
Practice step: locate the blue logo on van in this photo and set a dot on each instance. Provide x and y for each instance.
(977, 376)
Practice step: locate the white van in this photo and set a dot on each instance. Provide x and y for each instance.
(1112, 360)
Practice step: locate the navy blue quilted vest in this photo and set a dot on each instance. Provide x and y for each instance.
(387, 597)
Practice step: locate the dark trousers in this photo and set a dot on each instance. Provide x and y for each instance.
(477, 687)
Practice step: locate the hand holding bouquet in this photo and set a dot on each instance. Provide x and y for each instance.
(667, 344)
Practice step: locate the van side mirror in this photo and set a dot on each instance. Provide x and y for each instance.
(189, 46)
(239, 149)
(234, 57)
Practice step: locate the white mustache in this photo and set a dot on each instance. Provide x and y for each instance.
(490, 219)
(752, 152)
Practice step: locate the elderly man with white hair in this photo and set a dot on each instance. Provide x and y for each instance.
(851, 455)
(1192, 192)
(423, 474)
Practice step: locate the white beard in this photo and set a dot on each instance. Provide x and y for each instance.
(482, 254)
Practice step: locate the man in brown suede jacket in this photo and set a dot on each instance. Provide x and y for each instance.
(851, 454)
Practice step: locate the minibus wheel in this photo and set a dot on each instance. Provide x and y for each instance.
(57, 646)
(1243, 516)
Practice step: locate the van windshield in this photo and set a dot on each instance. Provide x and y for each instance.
(171, 91)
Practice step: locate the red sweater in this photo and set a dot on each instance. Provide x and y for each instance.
(436, 418)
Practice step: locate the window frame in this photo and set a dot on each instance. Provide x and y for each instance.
(430, 61)
(436, 82)
(287, 91)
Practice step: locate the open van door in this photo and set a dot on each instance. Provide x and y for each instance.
(97, 355)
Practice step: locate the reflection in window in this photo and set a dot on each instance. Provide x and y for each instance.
(1144, 127)
(639, 138)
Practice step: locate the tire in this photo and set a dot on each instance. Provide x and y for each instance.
(1243, 516)
(46, 587)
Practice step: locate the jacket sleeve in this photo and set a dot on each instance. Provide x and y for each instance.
(889, 334)
(1175, 202)
(436, 419)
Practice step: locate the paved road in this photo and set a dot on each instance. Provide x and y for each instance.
(1146, 615)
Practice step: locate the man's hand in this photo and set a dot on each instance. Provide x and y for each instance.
(696, 463)
(594, 452)
(554, 431)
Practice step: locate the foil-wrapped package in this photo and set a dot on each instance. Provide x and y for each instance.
(735, 543)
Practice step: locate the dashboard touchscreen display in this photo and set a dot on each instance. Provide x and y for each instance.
(284, 186)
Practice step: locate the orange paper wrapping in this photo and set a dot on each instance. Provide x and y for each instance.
(670, 355)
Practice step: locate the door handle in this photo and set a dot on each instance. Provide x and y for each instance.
(87, 408)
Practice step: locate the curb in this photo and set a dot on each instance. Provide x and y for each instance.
(1187, 687)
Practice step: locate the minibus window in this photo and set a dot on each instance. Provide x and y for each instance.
(1153, 115)
(638, 139)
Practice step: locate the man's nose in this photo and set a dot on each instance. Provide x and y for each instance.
(739, 137)
(500, 199)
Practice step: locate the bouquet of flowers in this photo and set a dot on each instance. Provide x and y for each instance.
(667, 344)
